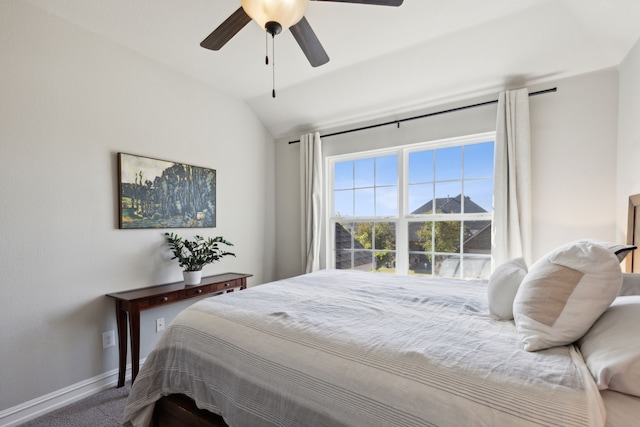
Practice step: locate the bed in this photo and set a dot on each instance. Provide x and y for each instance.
(349, 348)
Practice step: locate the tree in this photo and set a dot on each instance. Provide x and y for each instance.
(444, 234)
(379, 236)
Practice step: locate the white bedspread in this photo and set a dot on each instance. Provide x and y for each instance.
(346, 348)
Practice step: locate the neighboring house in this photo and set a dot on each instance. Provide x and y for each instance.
(477, 233)
(362, 259)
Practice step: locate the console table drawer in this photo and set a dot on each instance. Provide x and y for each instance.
(227, 285)
(198, 291)
(163, 299)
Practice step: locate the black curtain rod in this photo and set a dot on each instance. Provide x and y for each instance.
(397, 122)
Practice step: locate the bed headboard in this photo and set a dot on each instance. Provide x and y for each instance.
(633, 233)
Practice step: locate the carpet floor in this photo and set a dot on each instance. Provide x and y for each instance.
(104, 409)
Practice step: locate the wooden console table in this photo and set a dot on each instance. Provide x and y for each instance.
(137, 300)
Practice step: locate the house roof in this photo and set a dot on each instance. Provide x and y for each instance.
(450, 205)
(343, 239)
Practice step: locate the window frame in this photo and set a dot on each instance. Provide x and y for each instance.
(403, 217)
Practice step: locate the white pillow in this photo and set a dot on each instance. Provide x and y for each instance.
(620, 250)
(611, 348)
(564, 293)
(503, 286)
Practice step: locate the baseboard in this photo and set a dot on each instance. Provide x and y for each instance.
(50, 402)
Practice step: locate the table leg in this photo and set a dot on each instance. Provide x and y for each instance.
(121, 322)
(134, 332)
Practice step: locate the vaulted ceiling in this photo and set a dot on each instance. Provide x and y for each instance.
(384, 60)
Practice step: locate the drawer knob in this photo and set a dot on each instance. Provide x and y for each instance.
(165, 298)
(199, 291)
(226, 284)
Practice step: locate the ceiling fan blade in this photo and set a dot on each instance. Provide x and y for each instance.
(375, 2)
(309, 43)
(226, 30)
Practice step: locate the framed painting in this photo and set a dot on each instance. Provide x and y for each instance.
(156, 193)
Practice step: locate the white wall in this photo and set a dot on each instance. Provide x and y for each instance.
(628, 137)
(69, 101)
(574, 134)
(573, 161)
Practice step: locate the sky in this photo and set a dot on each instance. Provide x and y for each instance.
(131, 165)
(369, 187)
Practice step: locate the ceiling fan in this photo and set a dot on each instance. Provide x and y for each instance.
(278, 15)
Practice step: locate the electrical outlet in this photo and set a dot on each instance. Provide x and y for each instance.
(108, 339)
(160, 324)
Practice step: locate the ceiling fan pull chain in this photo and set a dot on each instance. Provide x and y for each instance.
(273, 64)
(266, 48)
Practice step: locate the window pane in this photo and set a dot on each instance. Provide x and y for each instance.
(479, 196)
(420, 167)
(344, 260)
(387, 170)
(363, 260)
(421, 199)
(385, 233)
(478, 160)
(477, 237)
(344, 245)
(420, 236)
(385, 262)
(343, 175)
(476, 267)
(447, 266)
(448, 197)
(363, 173)
(364, 202)
(343, 236)
(449, 163)
(420, 264)
(447, 236)
(343, 203)
(386, 201)
(363, 235)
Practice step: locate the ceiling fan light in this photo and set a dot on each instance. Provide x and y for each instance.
(284, 12)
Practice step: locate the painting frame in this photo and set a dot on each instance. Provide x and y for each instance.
(155, 193)
(632, 264)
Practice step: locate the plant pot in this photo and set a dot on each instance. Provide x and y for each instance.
(192, 277)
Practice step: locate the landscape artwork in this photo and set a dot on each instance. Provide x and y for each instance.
(162, 194)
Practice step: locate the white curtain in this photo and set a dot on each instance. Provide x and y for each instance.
(511, 234)
(311, 199)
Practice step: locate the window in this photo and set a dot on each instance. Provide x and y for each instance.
(365, 196)
(422, 209)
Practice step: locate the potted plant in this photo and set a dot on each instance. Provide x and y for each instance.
(194, 254)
